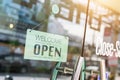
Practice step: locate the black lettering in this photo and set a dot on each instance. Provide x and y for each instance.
(51, 50)
(58, 52)
(44, 48)
(36, 49)
(37, 37)
(43, 38)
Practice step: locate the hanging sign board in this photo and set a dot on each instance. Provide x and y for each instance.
(45, 46)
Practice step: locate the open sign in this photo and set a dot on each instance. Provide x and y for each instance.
(45, 46)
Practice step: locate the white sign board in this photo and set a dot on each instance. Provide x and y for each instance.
(45, 46)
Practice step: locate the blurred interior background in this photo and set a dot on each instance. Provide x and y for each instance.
(63, 17)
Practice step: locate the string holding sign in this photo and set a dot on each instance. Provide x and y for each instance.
(43, 21)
